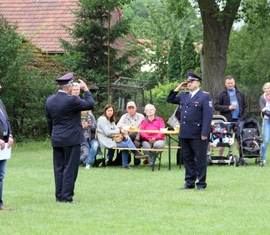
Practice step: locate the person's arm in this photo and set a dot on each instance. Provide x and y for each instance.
(244, 113)
(49, 121)
(93, 123)
(161, 124)
(207, 116)
(105, 128)
(219, 103)
(262, 102)
(143, 135)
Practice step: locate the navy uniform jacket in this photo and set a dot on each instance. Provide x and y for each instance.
(63, 114)
(196, 113)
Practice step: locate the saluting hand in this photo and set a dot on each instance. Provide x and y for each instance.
(83, 85)
(181, 86)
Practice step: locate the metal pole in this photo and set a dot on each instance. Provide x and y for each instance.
(109, 25)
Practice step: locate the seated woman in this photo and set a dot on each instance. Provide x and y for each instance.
(106, 126)
(151, 122)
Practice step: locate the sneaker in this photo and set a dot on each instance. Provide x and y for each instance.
(140, 155)
(87, 167)
(127, 167)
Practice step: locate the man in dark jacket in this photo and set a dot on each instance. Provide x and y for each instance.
(6, 141)
(232, 104)
(63, 114)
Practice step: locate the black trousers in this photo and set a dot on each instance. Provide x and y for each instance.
(194, 152)
(66, 162)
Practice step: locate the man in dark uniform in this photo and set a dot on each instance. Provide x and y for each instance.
(195, 121)
(63, 114)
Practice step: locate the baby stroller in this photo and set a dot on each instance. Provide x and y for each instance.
(219, 137)
(250, 140)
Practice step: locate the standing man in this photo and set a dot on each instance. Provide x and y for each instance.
(5, 137)
(232, 104)
(196, 117)
(63, 114)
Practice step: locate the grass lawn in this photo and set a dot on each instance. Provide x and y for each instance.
(138, 201)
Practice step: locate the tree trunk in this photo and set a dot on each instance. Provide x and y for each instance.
(216, 32)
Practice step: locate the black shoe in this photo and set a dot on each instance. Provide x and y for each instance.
(186, 187)
(200, 189)
(109, 163)
(73, 201)
(137, 162)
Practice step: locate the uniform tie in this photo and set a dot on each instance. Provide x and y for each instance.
(190, 95)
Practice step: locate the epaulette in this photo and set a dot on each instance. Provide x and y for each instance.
(206, 92)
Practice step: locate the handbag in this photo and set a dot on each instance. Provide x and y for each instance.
(173, 121)
(117, 137)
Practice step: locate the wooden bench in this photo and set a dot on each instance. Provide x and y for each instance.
(157, 154)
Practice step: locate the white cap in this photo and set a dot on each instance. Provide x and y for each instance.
(131, 104)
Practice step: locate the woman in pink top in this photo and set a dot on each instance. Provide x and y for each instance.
(151, 140)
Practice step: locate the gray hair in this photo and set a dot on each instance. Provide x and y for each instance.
(76, 84)
(149, 106)
(63, 87)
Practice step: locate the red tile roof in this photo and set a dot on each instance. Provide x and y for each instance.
(42, 20)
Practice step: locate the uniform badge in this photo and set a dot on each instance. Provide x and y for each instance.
(210, 104)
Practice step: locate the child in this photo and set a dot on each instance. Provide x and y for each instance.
(219, 134)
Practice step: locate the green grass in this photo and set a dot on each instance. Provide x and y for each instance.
(138, 201)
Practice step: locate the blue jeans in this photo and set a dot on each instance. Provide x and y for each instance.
(2, 175)
(232, 126)
(126, 144)
(266, 137)
(93, 151)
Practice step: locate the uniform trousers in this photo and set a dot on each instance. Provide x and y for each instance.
(194, 152)
(66, 165)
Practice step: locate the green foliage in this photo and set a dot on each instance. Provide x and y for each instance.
(24, 90)
(189, 55)
(248, 59)
(9, 47)
(88, 55)
(174, 59)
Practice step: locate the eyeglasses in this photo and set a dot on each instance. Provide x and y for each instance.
(149, 110)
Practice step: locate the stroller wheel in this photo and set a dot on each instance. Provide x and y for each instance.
(243, 161)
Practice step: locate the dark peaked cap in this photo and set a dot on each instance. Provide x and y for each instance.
(66, 79)
(193, 77)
